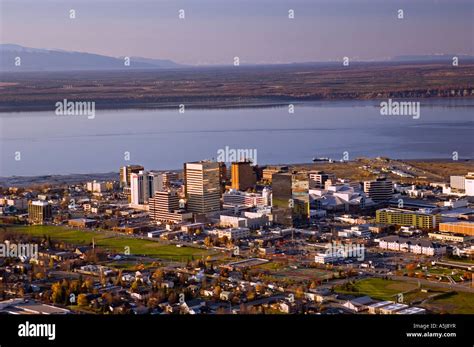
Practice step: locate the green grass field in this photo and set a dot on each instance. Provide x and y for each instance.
(116, 243)
(452, 303)
(378, 288)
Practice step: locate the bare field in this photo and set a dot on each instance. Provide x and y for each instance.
(425, 170)
(235, 86)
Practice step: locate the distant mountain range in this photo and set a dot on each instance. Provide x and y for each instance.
(433, 58)
(35, 59)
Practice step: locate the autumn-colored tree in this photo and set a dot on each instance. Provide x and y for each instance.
(251, 295)
(82, 300)
(172, 298)
(57, 293)
(134, 287)
(208, 241)
(299, 293)
(217, 291)
(158, 275)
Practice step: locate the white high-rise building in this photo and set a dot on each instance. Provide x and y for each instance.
(267, 196)
(469, 184)
(202, 186)
(139, 187)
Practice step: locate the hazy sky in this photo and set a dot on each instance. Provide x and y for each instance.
(258, 31)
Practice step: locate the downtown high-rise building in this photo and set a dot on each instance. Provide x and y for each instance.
(139, 188)
(39, 212)
(143, 186)
(243, 176)
(164, 206)
(155, 182)
(317, 179)
(290, 199)
(380, 189)
(126, 173)
(202, 183)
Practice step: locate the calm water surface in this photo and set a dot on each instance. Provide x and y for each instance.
(164, 139)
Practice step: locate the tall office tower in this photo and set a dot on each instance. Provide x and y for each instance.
(202, 186)
(290, 199)
(379, 190)
(164, 207)
(139, 188)
(222, 175)
(300, 191)
(126, 172)
(243, 176)
(282, 199)
(39, 212)
(317, 179)
(154, 182)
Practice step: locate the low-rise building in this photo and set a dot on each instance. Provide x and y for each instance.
(234, 233)
(423, 219)
(449, 237)
(417, 246)
(392, 308)
(463, 228)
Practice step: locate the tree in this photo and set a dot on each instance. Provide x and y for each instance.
(208, 241)
(134, 287)
(299, 293)
(158, 275)
(57, 293)
(217, 291)
(82, 300)
(251, 295)
(172, 298)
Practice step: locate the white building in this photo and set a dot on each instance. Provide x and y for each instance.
(355, 231)
(338, 197)
(469, 184)
(139, 188)
(96, 187)
(267, 196)
(417, 246)
(235, 197)
(233, 221)
(457, 183)
(325, 258)
(234, 233)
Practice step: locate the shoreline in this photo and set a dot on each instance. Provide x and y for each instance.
(251, 103)
(76, 178)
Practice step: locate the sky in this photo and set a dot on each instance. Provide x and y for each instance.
(258, 31)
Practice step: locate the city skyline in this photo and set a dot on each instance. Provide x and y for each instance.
(312, 159)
